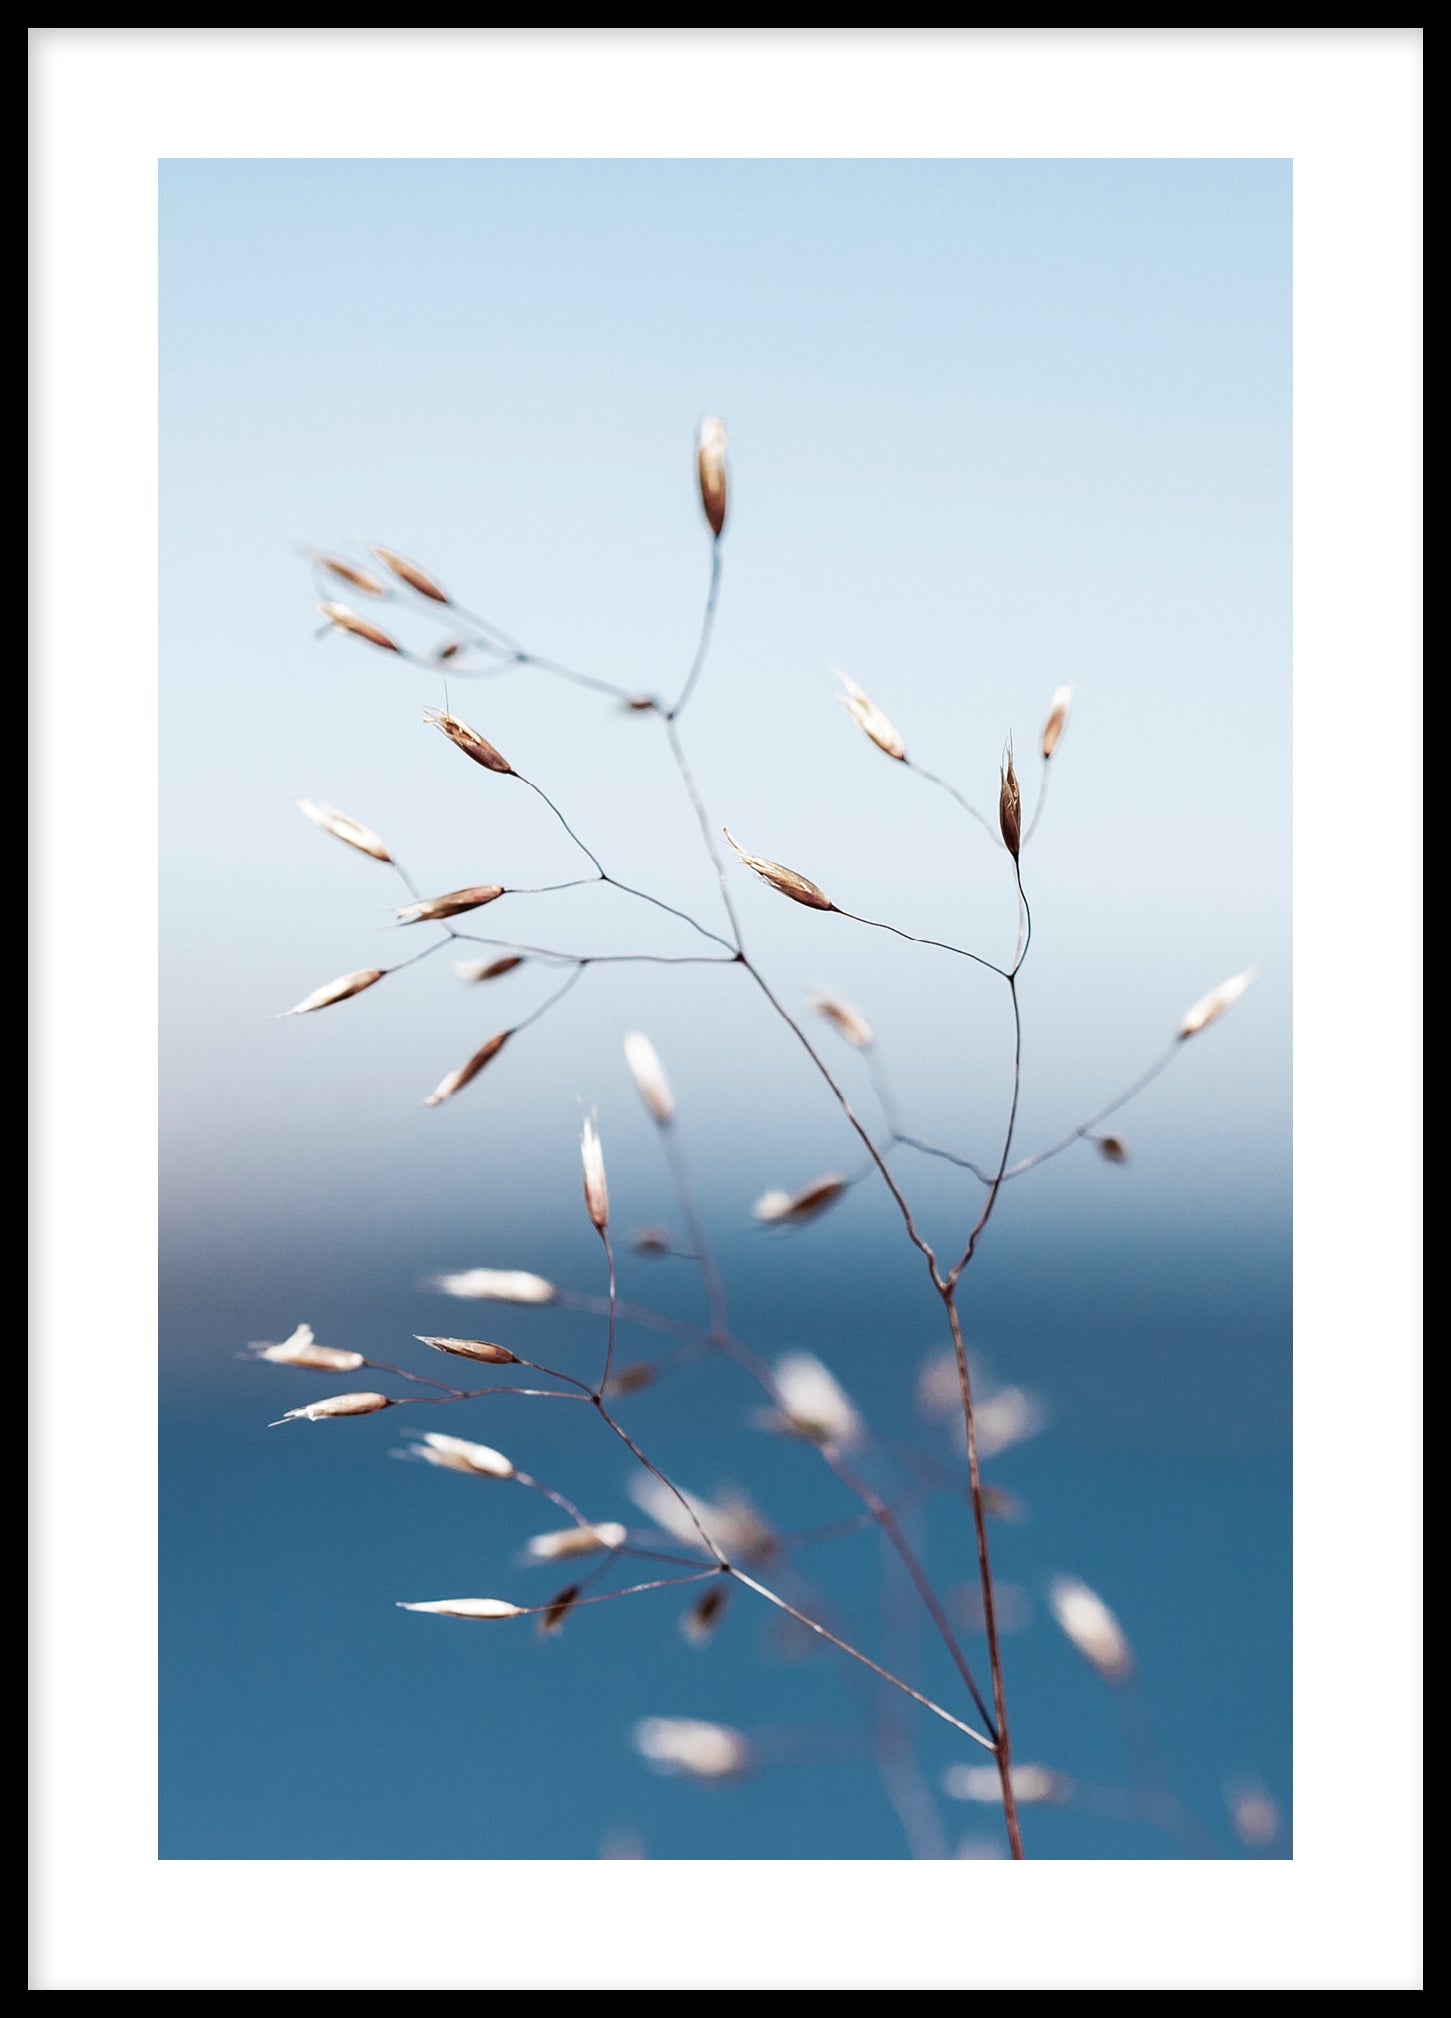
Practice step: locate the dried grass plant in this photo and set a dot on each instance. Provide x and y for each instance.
(718, 1550)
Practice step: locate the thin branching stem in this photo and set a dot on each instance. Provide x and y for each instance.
(930, 778)
(707, 623)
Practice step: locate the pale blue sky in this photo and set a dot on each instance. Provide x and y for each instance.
(994, 426)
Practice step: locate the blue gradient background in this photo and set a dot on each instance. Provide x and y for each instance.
(994, 426)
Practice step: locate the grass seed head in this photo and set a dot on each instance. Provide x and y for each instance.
(355, 577)
(450, 1084)
(1209, 1008)
(812, 1405)
(465, 1608)
(552, 1618)
(596, 1191)
(340, 990)
(337, 1404)
(846, 1021)
(469, 741)
(487, 970)
(343, 619)
(870, 719)
(711, 463)
(1057, 720)
(1092, 1628)
(353, 832)
(471, 1348)
(566, 1543)
(701, 1621)
(497, 1285)
(700, 1751)
(301, 1349)
(406, 571)
(787, 1208)
(800, 888)
(1010, 806)
(450, 905)
(456, 1453)
(649, 1076)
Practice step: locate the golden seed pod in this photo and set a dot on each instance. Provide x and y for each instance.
(471, 1348)
(700, 1623)
(787, 881)
(552, 1618)
(497, 1285)
(337, 1404)
(465, 1608)
(450, 905)
(870, 719)
(303, 1350)
(487, 970)
(566, 1543)
(785, 1208)
(1209, 1008)
(1111, 1148)
(1010, 807)
(355, 577)
(336, 991)
(469, 741)
(1057, 720)
(451, 1083)
(406, 571)
(649, 1076)
(352, 831)
(1092, 1628)
(596, 1191)
(456, 1453)
(848, 1022)
(343, 619)
(711, 464)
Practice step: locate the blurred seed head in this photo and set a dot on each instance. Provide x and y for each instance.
(1255, 1817)
(596, 1191)
(1111, 1148)
(700, 1751)
(450, 905)
(469, 741)
(552, 1618)
(465, 1608)
(1057, 720)
(1032, 1785)
(870, 719)
(652, 1240)
(343, 619)
(799, 888)
(711, 464)
(631, 1379)
(1092, 1628)
(812, 1405)
(355, 577)
(701, 1621)
(353, 832)
(337, 1404)
(301, 1349)
(406, 571)
(1008, 1416)
(649, 1076)
(1010, 806)
(456, 1453)
(1011, 1607)
(736, 1528)
(566, 1543)
(1209, 1008)
(487, 970)
(497, 1285)
(471, 1348)
(340, 990)
(787, 1208)
(848, 1022)
(452, 1081)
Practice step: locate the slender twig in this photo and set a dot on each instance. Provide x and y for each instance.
(930, 778)
(706, 624)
